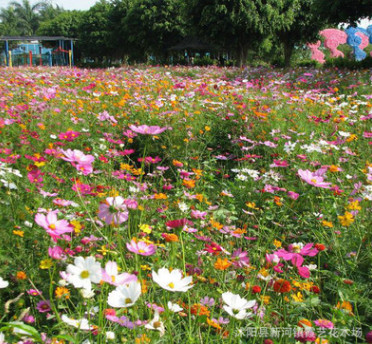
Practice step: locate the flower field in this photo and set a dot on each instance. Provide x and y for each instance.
(185, 205)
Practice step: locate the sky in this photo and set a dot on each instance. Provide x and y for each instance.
(86, 4)
(66, 4)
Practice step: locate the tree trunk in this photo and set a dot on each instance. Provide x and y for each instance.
(288, 50)
(242, 55)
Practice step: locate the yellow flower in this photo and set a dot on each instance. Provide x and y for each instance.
(354, 206)
(347, 219)
(207, 128)
(46, 264)
(252, 205)
(277, 243)
(298, 297)
(145, 228)
(265, 299)
(328, 224)
(19, 233)
(77, 226)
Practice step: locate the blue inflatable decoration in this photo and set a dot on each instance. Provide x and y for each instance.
(358, 39)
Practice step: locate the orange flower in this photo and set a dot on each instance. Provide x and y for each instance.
(282, 286)
(62, 292)
(190, 184)
(177, 163)
(170, 237)
(346, 305)
(160, 196)
(21, 275)
(277, 201)
(200, 310)
(213, 324)
(222, 264)
(305, 322)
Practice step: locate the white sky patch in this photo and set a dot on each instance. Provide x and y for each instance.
(66, 4)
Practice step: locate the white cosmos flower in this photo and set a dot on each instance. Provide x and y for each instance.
(156, 324)
(236, 306)
(125, 295)
(3, 283)
(173, 307)
(85, 272)
(172, 280)
(81, 324)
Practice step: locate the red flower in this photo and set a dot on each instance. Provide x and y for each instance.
(315, 289)
(256, 289)
(282, 286)
(320, 247)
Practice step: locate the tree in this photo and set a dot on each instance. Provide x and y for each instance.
(153, 26)
(349, 11)
(65, 24)
(94, 32)
(236, 25)
(303, 28)
(28, 16)
(9, 22)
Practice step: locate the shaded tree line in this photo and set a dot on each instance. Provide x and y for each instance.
(136, 30)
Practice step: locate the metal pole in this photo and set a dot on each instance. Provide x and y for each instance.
(7, 53)
(72, 53)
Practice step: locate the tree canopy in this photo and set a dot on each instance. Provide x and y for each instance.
(137, 29)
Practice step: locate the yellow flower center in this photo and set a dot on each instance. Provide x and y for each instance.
(128, 300)
(84, 274)
(52, 226)
(171, 285)
(314, 181)
(157, 324)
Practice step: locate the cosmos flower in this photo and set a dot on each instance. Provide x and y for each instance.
(147, 130)
(237, 306)
(156, 324)
(54, 227)
(85, 272)
(113, 210)
(172, 280)
(125, 295)
(3, 283)
(142, 248)
(110, 274)
(81, 324)
(314, 178)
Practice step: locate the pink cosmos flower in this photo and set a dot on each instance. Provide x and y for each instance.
(147, 130)
(141, 248)
(324, 323)
(56, 252)
(113, 210)
(314, 178)
(197, 214)
(295, 254)
(110, 275)
(54, 227)
(79, 160)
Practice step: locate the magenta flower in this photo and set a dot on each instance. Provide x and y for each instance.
(240, 258)
(147, 130)
(142, 248)
(314, 178)
(54, 227)
(197, 214)
(295, 254)
(56, 252)
(43, 306)
(113, 210)
(79, 160)
(324, 323)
